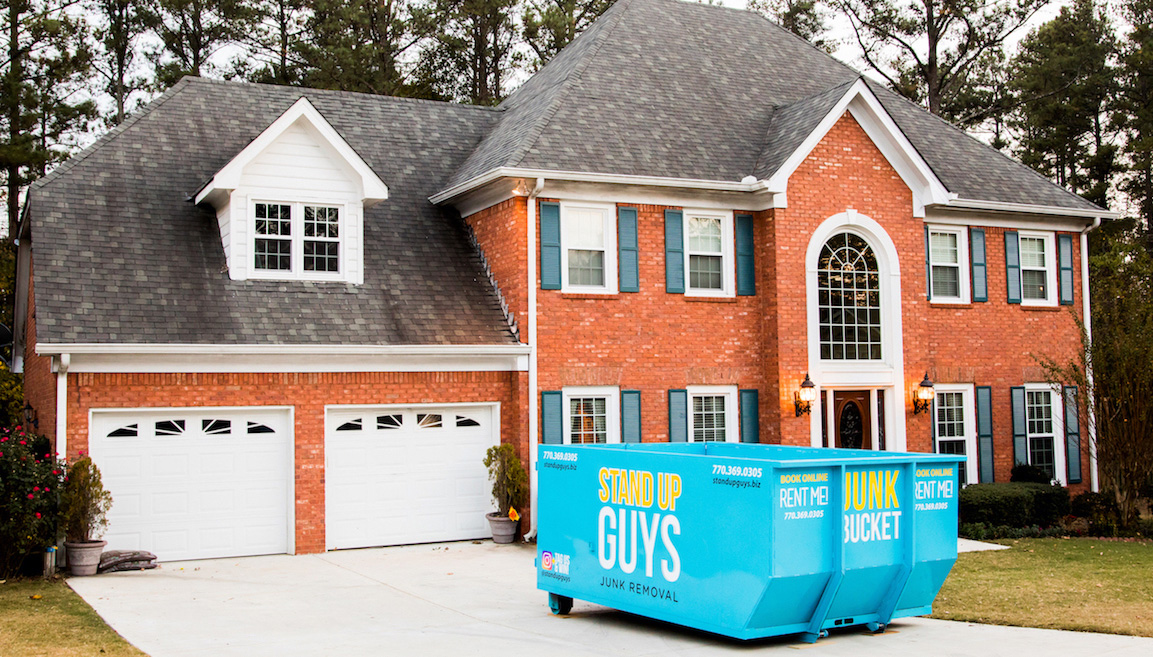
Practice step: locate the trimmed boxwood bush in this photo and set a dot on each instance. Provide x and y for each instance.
(1014, 504)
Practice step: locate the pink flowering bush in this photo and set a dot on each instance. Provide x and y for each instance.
(31, 480)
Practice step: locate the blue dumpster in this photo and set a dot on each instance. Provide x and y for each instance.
(747, 541)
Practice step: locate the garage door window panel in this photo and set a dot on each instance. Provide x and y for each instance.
(389, 421)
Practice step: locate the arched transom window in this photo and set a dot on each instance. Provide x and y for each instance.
(849, 299)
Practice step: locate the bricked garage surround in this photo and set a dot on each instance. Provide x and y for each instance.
(607, 255)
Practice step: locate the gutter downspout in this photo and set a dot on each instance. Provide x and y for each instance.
(532, 355)
(62, 405)
(1086, 312)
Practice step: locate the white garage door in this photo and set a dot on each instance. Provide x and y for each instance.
(407, 475)
(196, 483)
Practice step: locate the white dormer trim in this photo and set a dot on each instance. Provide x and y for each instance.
(227, 179)
(299, 163)
(863, 105)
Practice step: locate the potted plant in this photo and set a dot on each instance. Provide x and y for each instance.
(509, 490)
(83, 506)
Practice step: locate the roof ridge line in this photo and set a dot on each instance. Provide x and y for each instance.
(767, 138)
(75, 160)
(555, 103)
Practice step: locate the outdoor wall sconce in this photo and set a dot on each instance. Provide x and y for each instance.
(803, 399)
(923, 395)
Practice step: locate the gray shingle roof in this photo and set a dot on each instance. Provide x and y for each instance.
(122, 256)
(684, 90)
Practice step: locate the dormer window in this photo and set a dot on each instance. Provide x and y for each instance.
(291, 204)
(296, 238)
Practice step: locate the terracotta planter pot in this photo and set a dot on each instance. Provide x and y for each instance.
(503, 529)
(84, 558)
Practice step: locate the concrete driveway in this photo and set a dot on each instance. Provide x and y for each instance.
(465, 598)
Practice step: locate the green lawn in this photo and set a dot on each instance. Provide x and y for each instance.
(56, 624)
(1070, 584)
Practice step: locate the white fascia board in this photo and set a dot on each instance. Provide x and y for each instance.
(228, 177)
(864, 106)
(289, 358)
(1085, 214)
(580, 176)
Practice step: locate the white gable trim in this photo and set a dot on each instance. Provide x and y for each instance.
(862, 104)
(227, 178)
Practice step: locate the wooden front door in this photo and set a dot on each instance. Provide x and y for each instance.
(851, 419)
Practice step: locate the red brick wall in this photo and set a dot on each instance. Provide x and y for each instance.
(651, 340)
(39, 381)
(501, 233)
(308, 393)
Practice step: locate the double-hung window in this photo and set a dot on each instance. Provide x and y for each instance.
(588, 248)
(713, 414)
(1038, 269)
(710, 268)
(954, 426)
(592, 415)
(297, 240)
(948, 264)
(1040, 430)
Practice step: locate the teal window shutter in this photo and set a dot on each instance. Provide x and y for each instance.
(1020, 438)
(980, 273)
(1072, 435)
(628, 265)
(552, 417)
(746, 260)
(678, 416)
(928, 268)
(674, 251)
(985, 434)
(1013, 267)
(1065, 269)
(550, 246)
(630, 416)
(750, 416)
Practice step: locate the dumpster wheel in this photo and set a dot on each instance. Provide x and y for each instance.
(559, 604)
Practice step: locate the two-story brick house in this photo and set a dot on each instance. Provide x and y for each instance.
(290, 320)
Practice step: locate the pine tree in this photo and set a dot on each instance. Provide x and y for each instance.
(925, 49)
(121, 24)
(192, 31)
(1136, 104)
(550, 25)
(471, 52)
(358, 45)
(44, 64)
(1063, 81)
(275, 43)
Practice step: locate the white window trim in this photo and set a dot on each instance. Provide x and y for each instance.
(1050, 268)
(969, 408)
(728, 249)
(609, 214)
(1057, 406)
(297, 273)
(612, 395)
(732, 416)
(963, 263)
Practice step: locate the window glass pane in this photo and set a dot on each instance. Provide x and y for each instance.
(273, 219)
(1039, 411)
(584, 229)
(943, 248)
(321, 222)
(427, 421)
(588, 420)
(169, 427)
(389, 421)
(1033, 284)
(849, 300)
(709, 418)
(946, 281)
(124, 432)
(586, 267)
(351, 425)
(954, 447)
(321, 256)
(705, 272)
(215, 427)
(705, 234)
(1033, 252)
(1041, 455)
(950, 415)
(256, 427)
